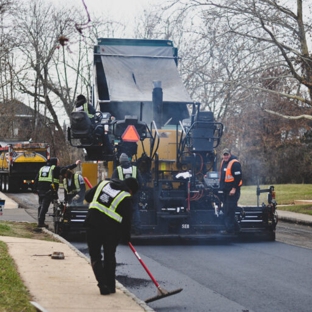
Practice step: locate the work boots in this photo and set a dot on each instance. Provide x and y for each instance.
(104, 289)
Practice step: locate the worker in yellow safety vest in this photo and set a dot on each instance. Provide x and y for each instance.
(74, 187)
(81, 105)
(127, 170)
(47, 185)
(108, 223)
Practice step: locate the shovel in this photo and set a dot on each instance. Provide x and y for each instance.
(54, 255)
(161, 293)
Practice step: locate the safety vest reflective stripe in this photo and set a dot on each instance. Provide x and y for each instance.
(109, 211)
(228, 173)
(77, 184)
(49, 176)
(85, 108)
(121, 173)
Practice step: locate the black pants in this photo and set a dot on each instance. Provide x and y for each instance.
(104, 271)
(45, 200)
(229, 208)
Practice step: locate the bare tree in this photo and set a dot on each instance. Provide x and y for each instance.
(48, 61)
(216, 67)
(7, 43)
(241, 62)
(42, 30)
(56, 49)
(281, 27)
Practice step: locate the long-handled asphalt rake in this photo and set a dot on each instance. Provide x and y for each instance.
(161, 293)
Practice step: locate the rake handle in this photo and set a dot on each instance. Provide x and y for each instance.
(88, 182)
(143, 264)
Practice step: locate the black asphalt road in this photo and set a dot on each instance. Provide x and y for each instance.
(250, 276)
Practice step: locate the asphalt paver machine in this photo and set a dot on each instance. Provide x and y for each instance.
(145, 111)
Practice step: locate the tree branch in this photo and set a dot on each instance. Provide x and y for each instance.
(304, 116)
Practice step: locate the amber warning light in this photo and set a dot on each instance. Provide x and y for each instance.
(130, 134)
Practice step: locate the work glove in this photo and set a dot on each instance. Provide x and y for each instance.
(76, 198)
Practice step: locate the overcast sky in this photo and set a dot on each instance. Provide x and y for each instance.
(123, 11)
(119, 9)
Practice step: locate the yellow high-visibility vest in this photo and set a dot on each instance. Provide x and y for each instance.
(114, 199)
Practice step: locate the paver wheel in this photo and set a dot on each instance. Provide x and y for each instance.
(271, 236)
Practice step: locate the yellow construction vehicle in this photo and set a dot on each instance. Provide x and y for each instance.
(20, 163)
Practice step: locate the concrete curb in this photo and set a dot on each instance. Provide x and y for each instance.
(38, 307)
(294, 220)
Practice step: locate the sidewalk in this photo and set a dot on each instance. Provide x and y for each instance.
(61, 285)
(294, 217)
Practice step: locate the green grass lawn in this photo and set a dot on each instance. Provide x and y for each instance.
(14, 294)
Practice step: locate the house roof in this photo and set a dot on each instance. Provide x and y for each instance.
(17, 109)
